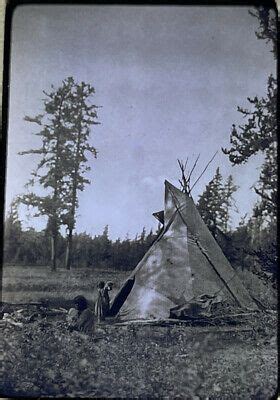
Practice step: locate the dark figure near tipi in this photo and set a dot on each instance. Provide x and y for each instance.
(106, 298)
(81, 318)
(99, 304)
(102, 304)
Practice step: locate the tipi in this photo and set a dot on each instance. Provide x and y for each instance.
(184, 262)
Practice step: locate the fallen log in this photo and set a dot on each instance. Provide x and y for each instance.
(34, 303)
(170, 322)
(234, 315)
(52, 313)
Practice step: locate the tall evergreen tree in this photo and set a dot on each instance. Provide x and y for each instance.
(143, 236)
(12, 234)
(55, 163)
(65, 129)
(216, 202)
(259, 133)
(81, 115)
(267, 188)
(105, 246)
(211, 204)
(229, 189)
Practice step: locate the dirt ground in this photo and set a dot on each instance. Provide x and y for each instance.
(42, 358)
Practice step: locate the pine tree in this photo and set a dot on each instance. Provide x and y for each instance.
(105, 246)
(229, 189)
(55, 163)
(65, 129)
(12, 234)
(211, 202)
(143, 236)
(216, 202)
(259, 133)
(267, 188)
(82, 115)
(267, 29)
(150, 239)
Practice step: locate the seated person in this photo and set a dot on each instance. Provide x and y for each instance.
(81, 318)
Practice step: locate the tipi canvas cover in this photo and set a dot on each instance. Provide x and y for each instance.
(184, 262)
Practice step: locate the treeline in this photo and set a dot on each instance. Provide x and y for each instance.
(31, 247)
(249, 248)
(251, 245)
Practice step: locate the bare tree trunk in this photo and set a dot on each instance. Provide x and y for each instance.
(53, 252)
(69, 248)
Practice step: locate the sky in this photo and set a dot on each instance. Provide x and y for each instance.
(169, 80)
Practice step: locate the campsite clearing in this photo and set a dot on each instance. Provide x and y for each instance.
(43, 358)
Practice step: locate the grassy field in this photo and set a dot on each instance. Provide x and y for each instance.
(42, 358)
(27, 284)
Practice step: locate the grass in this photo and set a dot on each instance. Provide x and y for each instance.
(25, 284)
(42, 358)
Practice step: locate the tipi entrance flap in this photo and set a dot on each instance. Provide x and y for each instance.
(121, 296)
